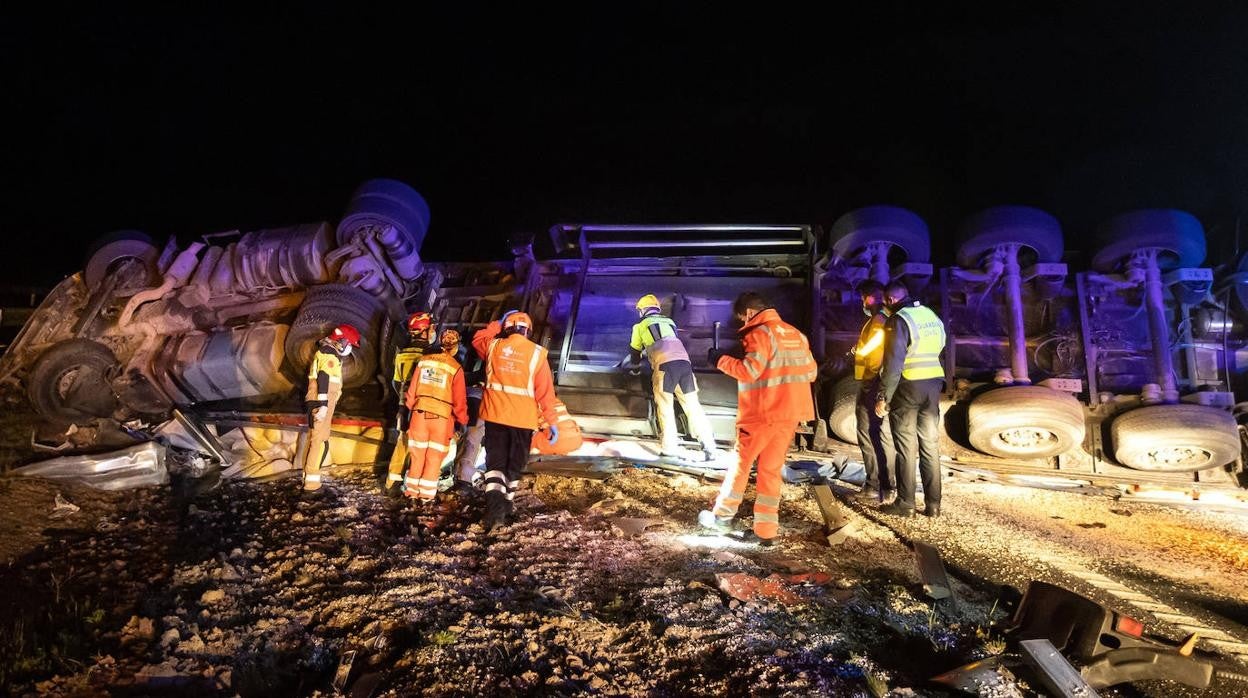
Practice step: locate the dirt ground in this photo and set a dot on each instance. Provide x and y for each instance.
(253, 589)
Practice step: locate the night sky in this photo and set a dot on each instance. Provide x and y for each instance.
(193, 124)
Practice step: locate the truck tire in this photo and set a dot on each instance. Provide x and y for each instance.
(326, 307)
(1034, 230)
(1025, 421)
(1177, 233)
(1175, 438)
(892, 224)
(71, 382)
(843, 421)
(113, 248)
(382, 202)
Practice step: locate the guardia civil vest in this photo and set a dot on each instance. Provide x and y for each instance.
(656, 336)
(927, 340)
(433, 381)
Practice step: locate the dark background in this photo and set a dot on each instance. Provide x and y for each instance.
(185, 124)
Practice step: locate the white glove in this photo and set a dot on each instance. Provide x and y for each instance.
(319, 413)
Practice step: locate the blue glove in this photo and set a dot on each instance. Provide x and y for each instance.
(502, 320)
(554, 435)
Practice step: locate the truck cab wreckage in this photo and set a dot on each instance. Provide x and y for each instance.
(1123, 373)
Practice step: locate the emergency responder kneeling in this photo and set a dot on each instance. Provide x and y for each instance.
(673, 378)
(324, 389)
(518, 388)
(911, 380)
(420, 334)
(438, 409)
(773, 396)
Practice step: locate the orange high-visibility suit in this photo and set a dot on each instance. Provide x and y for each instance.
(438, 401)
(773, 395)
(519, 389)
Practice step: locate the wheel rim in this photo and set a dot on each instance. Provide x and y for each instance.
(1028, 438)
(1179, 456)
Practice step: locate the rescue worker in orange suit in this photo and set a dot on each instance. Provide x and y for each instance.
(773, 396)
(911, 380)
(519, 389)
(420, 333)
(569, 434)
(874, 436)
(439, 409)
(673, 378)
(324, 389)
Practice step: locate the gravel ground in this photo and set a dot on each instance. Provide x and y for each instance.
(253, 589)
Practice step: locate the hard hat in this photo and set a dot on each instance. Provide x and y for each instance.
(518, 320)
(648, 301)
(419, 322)
(450, 338)
(346, 333)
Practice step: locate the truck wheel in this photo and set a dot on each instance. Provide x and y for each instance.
(844, 418)
(1175, 438)
(1177, 233)
(1038, 233)
(118, 246)
(1025, 421)
(908, 234)
(71, 382)
(326, 307)
(383, 202)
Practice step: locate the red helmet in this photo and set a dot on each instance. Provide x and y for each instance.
(419, 322)
(346, 333)
(518, 320)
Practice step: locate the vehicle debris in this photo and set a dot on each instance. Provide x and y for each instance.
(138, 466)
(932, 570)
(62, 507)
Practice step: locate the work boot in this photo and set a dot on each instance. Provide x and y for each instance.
(866, 496)
(898, 509)
(752, 538)
(932, 510)
(719, 524)
(888, 496)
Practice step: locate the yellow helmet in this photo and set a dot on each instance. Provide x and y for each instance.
(648, 301)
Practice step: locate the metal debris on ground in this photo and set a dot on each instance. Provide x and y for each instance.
(747, 587)
(932, 571)
(1054, 672)
(137, 466)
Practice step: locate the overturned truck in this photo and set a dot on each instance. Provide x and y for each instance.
(1122, 372)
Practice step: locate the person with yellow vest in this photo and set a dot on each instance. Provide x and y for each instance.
(324, 389)
(911, 380)
(519, 389)
(875, 439)
(420, 334)
(773, 396)
(439, 408)
(569, 434)
(673, 379)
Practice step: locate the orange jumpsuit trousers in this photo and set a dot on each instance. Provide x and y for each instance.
(767, 443)
(428, 443)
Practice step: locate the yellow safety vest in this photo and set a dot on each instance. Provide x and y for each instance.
(656, 335)
(404, 360)
(927, 340)
(869, 353)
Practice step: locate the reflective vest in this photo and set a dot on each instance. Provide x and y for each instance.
(511, 366)
(569, 434)
(773, 380)
(656, 335)
(433, 383)
(927, 340)
(329, 363)
(869, 353)
(404, 360)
